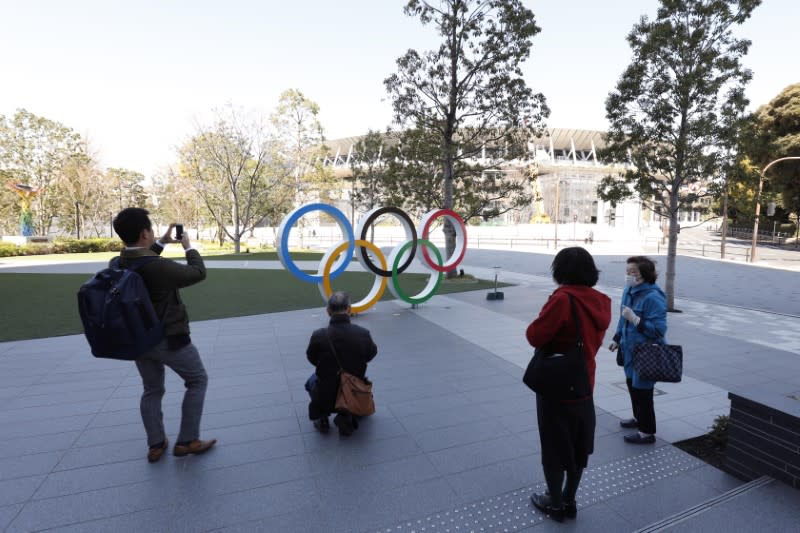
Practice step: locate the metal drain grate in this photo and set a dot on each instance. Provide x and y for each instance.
(512, 511)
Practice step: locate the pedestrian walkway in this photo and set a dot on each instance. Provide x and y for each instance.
(454, 441)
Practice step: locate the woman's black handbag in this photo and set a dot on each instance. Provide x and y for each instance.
(563, 376)
(658, 362)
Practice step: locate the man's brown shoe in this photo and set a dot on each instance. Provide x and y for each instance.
(154, 454)
(196, 446)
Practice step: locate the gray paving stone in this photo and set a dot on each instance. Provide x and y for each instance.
(85, 375)
(48, 412)
(479, 454)
(58, 388)
(438, 419)
(31, 445)
(108, 419)
(239, 478)
(114, 452)
(216, 512)
(29, 465)
(84, 506)
(40, 428)
(128, 432)
(353, 453)
(363, 481)
(772, 508)
(7, 514)
(431, 404)
(612, 447)
(124, 523)
(448, 437)
(11, 393)
(61, 399)
(390, 507)
(521, 421)
(646, 505)
(253, 415)
(715, 478)
(18, 490)
(498, 477)
(416, 389)
(102, 476)
(305, 520)
(255, 432)
(519, 405)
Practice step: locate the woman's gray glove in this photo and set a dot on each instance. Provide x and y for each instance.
(630, 316)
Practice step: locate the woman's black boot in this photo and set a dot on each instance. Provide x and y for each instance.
(545, 505)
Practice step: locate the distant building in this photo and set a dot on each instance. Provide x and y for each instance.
(569, 172)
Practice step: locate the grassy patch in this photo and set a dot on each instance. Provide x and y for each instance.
(265, 256)
(171, 251)
(45, 305)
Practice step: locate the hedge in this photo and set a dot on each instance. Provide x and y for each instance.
(61, 246)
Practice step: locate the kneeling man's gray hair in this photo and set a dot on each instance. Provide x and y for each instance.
(339, 302)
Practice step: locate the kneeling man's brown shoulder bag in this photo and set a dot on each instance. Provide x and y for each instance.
(355, 394)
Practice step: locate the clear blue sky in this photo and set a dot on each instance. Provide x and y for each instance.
(133, 76)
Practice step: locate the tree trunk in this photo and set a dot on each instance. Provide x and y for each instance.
(672, 249)
(449, 229)
(449, 132)
(724, 221)
(237, 235)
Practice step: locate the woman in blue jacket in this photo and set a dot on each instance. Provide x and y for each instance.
(643, 320)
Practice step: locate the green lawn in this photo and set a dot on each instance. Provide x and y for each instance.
(264, 256)
(171, 251)
(45, 305)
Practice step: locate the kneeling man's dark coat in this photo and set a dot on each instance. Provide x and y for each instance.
(354, 347)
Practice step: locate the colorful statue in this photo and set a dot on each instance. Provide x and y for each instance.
(26, 195)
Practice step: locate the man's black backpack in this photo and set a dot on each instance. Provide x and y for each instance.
(118, 317)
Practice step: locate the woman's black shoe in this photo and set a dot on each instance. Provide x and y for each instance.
(542, 502)
(570, 509)
(630, 423)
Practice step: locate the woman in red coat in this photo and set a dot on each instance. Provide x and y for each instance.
(566, 427)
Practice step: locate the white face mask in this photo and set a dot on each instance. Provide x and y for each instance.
(630, 281)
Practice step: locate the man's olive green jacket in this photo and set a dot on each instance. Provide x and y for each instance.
(163, 278)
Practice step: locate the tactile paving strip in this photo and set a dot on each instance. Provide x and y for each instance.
(512, 511)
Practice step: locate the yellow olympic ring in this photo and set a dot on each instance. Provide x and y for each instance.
(378, 286)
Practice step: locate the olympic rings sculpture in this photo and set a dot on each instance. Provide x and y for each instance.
(337, 258)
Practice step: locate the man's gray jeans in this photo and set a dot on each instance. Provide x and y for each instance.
(186, 363)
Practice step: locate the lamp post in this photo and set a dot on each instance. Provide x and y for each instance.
(758, 204)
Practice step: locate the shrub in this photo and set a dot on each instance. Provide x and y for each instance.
(77, 246)
(7, 249)
(61, 246)
(719, 431)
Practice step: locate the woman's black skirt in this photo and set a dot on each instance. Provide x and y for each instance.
(566, 431)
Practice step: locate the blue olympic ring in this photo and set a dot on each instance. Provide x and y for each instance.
(294, 216)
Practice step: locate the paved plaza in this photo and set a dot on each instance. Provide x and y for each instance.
(454, 445)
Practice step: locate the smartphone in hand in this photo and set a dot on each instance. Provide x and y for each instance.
(178, 232)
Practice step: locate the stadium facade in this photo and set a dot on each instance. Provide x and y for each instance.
(569, 171)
